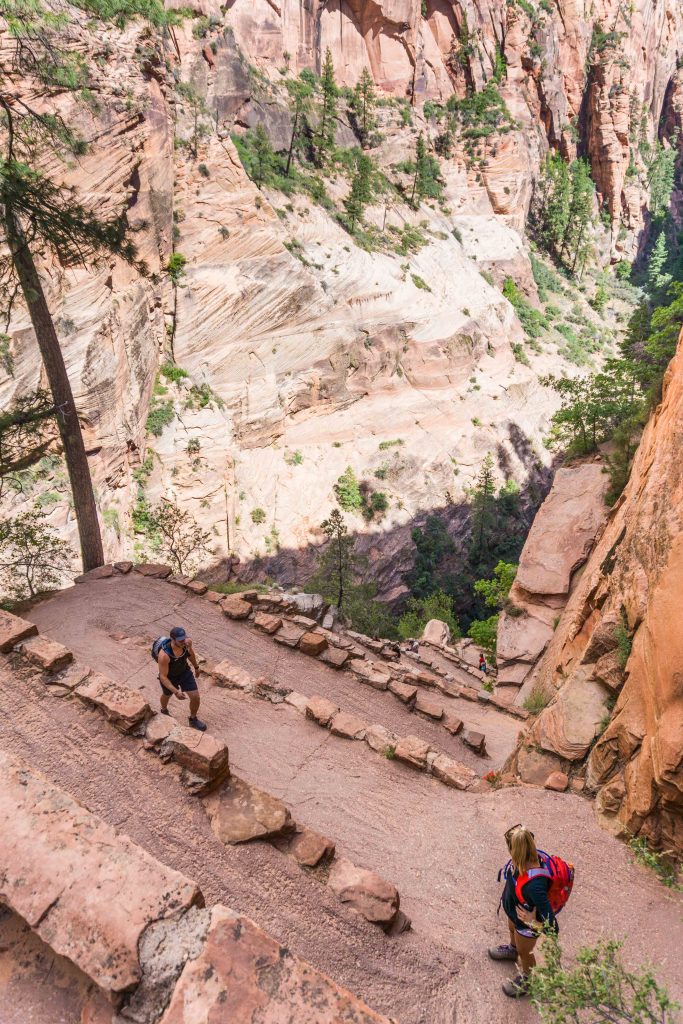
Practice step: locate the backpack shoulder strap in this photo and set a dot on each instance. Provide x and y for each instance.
(528, 876)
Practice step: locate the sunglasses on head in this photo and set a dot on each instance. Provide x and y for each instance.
(512, 830)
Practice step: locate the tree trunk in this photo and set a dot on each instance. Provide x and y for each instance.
(291, 143)
(67, 418)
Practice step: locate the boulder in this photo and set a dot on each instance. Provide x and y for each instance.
(437, 633)
(243, 975)
(154, 570)
(232, 676)
(102, 572)
(289, 634)
(452, 723)
(310, 605)
(380, 739)
(214, 596)
(305, 621)
(297, 700)
(413, 751)
(234, 607)
(428, 707)
(609, 671)
(349, 726)
(453, 773)
(365, 891)
(476, 741)
(241, 812)
(13, 630)
(72, 677)
(321, 710)
(534, 766)
(372, 674)
(123, 567)
(403, 691)
(309, 848)
(48, 655)
(89, 893)
(521, 638)
(158, 728)
(180, 580)
(202, 754)
(569, 725)
(267, 623)
(335, 656)
(124, 707)
(556, 781)
(313, 644)
(197, 587)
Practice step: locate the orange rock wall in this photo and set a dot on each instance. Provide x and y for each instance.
(631, 589)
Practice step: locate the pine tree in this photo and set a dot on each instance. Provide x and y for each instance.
(361, 191)
(336, 563)
(263, 154)
(301, 94)
(426, 177)
(552, 203)
(363, 103)
(38, 215)
(483, 518)
(576, 243)
(656, 278)
(327, 128)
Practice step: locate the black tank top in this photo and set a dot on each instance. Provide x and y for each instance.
(178, 666)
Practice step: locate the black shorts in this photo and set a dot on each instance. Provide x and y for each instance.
(187, 683)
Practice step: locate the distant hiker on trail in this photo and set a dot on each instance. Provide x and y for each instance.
(173, 654)
(537, 886)
(483, 667)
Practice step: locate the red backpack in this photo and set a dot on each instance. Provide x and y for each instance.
(559, 873)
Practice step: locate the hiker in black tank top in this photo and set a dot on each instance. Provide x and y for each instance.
(176, 678)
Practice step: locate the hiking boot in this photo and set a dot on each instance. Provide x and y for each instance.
(195, 723)
(517, 987)
(165, 711)
(504, 952)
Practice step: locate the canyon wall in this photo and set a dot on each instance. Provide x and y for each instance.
(614, 660)
(305, 353)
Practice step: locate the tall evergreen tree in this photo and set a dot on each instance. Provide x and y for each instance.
(301, 94)
(361, 191)
(363, 102)
(483, 511)
(576, 243)
(263, 154)
(657, 279)
(327, 127)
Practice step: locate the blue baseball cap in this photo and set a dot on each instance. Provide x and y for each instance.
(178, 633)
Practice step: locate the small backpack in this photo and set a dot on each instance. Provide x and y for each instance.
(558, 871)
(161, 641)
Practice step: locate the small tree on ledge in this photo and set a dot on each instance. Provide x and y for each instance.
(179, 536)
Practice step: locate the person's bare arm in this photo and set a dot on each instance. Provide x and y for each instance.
(193, 657)
(164, 661)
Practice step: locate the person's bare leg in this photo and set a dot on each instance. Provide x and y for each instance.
(194, 703)
(525, 951)
(165, 697)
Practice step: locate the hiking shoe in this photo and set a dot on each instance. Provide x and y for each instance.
(195, 723)
(517, 987)
(504, 952)
(165, 711)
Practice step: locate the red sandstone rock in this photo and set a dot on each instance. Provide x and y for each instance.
(452, 723)
(88, 893)
(123, 567)
(197, 587)
(46, 654)
(557, 781)
(225, 983)
(158, 728)
(475, 740)
(201, 753)
(436, 632)
(373, 897)
(241, 812)
(335, 657)
(349, 726)
(267, 623)
(102, 572)
(412, 750)
(124, 707)
(13, 630)
(313, 644)
(214, 596)
(289, 634)
(297, 700)
(534, 766)
(403, 691)
(180, 580)
(72, 677)
(154, 570)
(234, 607)
(321, 710)
(428, 707)
(232, 676)
(380, 739)
(309, 848)
(453, 773)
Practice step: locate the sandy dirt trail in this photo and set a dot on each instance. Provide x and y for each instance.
(442, 848)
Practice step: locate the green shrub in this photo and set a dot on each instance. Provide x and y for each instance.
(159, 416)
(420, 283)
(419, 611)
(258, 515)
(624, 643)
(348, 492)
(655, 861)
(172, 372)
(176, 266)
(383, 445)
(533, 322)
(519, 353)
(110, 518)
(294, 458)
(203, 170)
(484, 633)
(536, 701)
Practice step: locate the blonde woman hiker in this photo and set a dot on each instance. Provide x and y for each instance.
(537, 886)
